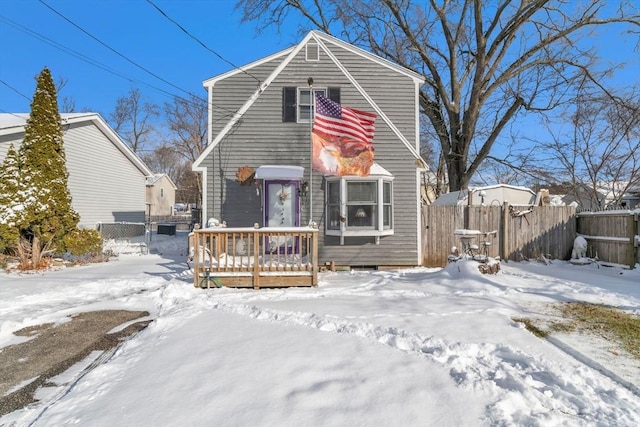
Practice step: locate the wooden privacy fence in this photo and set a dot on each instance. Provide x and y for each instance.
(522, 233)
(611, 235)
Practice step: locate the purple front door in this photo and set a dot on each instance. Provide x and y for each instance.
(281, 209)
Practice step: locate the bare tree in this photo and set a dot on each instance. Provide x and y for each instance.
(164, 159)
(189, 185)
(66, 104)
(599, 151)
(133, 119)
(484, 62)
(187, 121)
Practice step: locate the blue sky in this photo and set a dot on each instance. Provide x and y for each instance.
(33, 36)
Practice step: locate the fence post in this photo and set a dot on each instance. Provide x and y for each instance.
(504, 234)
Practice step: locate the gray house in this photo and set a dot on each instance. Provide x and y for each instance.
(257, 169)
(106, 179)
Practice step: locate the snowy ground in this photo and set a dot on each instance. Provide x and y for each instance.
(418, 347)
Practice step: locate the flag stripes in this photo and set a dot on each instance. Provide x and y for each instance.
(333, 120)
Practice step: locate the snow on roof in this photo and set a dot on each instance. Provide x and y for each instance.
(14, 120)
(8, 120)
(153, 179)
(14, 123)
(461, 196)
(279, 172)
(451, 198)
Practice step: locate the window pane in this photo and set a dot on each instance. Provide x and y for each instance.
(386, 192)
(360, 216)
(304, 99)
(305, 112)
(333, 205)
(333, 192)
(386, 220)
(361, 192)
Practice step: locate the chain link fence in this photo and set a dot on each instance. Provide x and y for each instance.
(123, 237)
(121, 230)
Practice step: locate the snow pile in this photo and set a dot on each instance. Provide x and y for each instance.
(396, 348)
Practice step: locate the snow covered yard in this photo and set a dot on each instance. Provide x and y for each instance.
(416, 347)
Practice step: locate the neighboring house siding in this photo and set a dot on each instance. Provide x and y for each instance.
(262, 138)
(161, 196)
(5, 143)
(105, 185)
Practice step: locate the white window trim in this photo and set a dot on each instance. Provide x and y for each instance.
(322, 90)
(379, 229)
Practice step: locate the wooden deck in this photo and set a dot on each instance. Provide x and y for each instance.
(254, 257)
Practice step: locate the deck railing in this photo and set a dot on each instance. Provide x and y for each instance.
(255, 257)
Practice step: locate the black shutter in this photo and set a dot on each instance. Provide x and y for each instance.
(334, 94)
(289, 104)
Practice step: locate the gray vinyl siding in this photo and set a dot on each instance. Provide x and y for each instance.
(262, 138)
(104, 185)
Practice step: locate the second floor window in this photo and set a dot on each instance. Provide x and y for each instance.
(297, 102)
(305, 103)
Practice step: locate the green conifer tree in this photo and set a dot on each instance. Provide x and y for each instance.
(48, 213)
(11, 200)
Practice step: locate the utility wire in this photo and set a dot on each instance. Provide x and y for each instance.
(15, 90)
(71, 52)
(98, 64)
(199, 41)
(112, 49)
(79, 55)
(95, 63)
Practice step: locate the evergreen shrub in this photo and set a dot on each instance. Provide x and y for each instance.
(83, 242)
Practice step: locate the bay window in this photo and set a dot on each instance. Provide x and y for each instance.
(359, 206)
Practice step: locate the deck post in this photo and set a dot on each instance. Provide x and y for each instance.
(314, 258)
(256, 259)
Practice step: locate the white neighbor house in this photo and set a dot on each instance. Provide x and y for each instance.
(489, 195)
(107, 181)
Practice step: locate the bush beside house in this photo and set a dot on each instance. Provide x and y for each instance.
(35, 210)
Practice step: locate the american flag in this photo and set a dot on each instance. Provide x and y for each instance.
(332, 120)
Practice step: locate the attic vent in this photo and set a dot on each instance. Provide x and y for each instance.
(313, 52)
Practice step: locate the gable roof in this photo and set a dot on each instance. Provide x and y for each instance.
(153, 179)
(288, 55)
(12, 123)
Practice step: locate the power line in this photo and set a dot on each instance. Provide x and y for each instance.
(67, 50)
(15, 90)
(112, 49)
(93, 62)
(100, 65)
(79, 55)
(200, 42)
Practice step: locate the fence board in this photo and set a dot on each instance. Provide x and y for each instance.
(610, 235)
(439, 223)
(545, 230)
